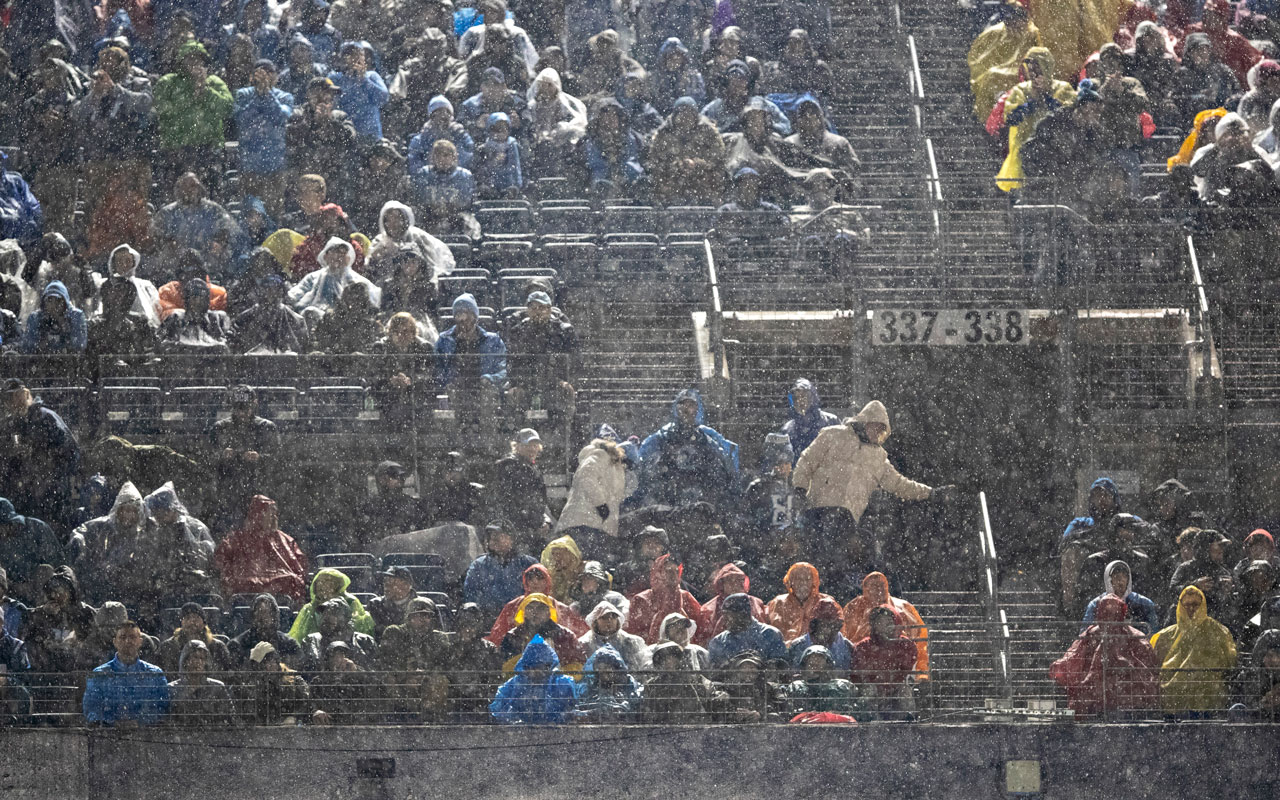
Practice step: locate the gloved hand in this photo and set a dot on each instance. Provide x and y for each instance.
(943, 494)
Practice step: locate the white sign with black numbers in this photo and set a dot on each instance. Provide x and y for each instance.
(948, 326)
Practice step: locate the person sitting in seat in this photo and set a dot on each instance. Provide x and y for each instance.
(685, 461)
(1110, 667)
(1140, 612)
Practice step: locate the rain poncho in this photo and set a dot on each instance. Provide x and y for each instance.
(116, 561)
(1202, 647)
(875, 592)
(507, 618)
(521, 700)
(696, 657)
(600, 701)
(882, 665)
(1110, 667)
(1072, 30)
(257, 558)
(564, 580)
(1229, 47)
(632, 649)
(563, 640)
(322, 288)
(786, 613)
(438, 256)
(147, 301)
(308, 621)
(712, 620)
(1140, 610)
(1022, 110)
(995, 59)
(564, 120)
(650, 607)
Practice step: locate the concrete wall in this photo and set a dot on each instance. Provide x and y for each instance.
(1079, 762)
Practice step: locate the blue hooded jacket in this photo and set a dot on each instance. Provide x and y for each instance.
(46, 337)
(677, 467)
(21, 217)
(1081, 526)
(621, 699)
(497, 166)
(728, 450)
(522, 701)
(802, 429)
(362, 98)
(671, 85)
(260, 119)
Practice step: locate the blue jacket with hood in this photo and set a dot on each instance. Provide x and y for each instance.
(802, 429)
(1080, 527)
(21, 217)
(260, 120)
(522, 701)
(671, 85)
(665, 456)
(45, 336)
(624, 697)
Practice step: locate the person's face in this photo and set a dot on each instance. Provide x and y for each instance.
(1258, 550)
(165, 516)
(403, 334)
(687, 412)
(500, 543)
(736, 621)
(1259, 581)
(673, 61)
(1120, 583)
(1271, 660)
(1233, 139)
(493, 90)
(1111, 61)
(737, 86)
(563, 560)
(748, 189)
(884, 627)
(1198, 54)
(54, 306)
(323, 101)
(193, 625)
(539, 313)
(442, 118)
(608, 625)
(196, 70)
(327, 587)
(729, 47)
(679, 633)
(354, 61)
(195, 663)
(421, 622)
(539, 584)
(609, 123)
(802, 585)
(537, 614)
(670, 573)
(264, 618)
(826, 630)
(469, 627)
(1102, 500)
(397, 590)
(606, 674)
(589, 584)
(253, 13)
(795, 48)
(499, 131)
(197, 303)
(1191, 604)
(810, 123)
(128, 643)
(187, 190)
(271, 663)
(529, 451)
(444, 160)
(336, 259)
(1149, 43)
(332, 622)
(815, 667)
(58, 593)
(1187, 550)
(465, 321)
(668, 662)
(1217, 552)
(128, 515)
(17, 402)
(243, 412)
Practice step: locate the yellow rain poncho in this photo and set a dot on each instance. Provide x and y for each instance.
(1023, 110)
(994, 60)
(563, 559)
(1073, 30)
(1205, 120)
(1194, 655)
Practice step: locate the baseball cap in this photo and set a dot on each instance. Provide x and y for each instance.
(526, 435)
(400, 572)
(323, 83)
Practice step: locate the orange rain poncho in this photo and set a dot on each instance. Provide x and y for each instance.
(1205, 120)
(786, 613)
(1194, 654)
(875, 592)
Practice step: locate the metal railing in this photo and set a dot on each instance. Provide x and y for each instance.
(997, 621)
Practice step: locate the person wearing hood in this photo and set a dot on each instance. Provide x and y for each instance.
(814, 147)
(498, 166)
(334, 623)
(1140, 612)
(126, 691)
(1153, 63)
(329, 222)
(429, 73)
(727, 111)
(792, 612)
(612, 151)
(270, 326)
(1072, 31)
(195, 698)
(681, 630)
(1168, 514)
(1260, 684)
(1110, 667)
(1025, 105)
(875, 593)
(1080, 534)
(557, 121)
(440, 125)
(727, 581)
(746, 214)
(1258, 546)
(396, 228)
(676, 76)
(25, 544)
(184, 560)
(116, 553)
(535, 580)
(494, 97)
(686, 461)
(320, 291)
(123, 263)
(825, 630)
(605, 65)
(1215, 165)
(195, 328)
(261, 113)
(595, 586)
(188, 223)
(58, 627)
(675, 693)
(259, 557)
(535, 616)
(351, 326)
(1266, 139)
(664, 596)
(607, 691)
(687, 158)
(193, 628)
(1255, 588)
(54, 259)
(500, 576)
(43, 458)
(313, 22)
(243, 446)
(846, 463)
(264, 627)
(58, 327)
(192, 107)
(884, 659)
(1206, 571)
(379, 174)
(807, 419)
(421, 653)
(538, 693)
(1117, 542)
(768, 504)
(563, 561)
(300, 67)
(1202, 81)
(1194, 655)
(1229, 46)
(327, 584)
(819, 687)
(595, 495)
(606, 621)
(996, 56)
(116, 330)
(319, 138)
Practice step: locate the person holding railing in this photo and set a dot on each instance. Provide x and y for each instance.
(1195, 654)
(1110, 667)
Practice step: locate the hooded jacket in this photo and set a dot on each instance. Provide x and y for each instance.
(439, 258)
(257, 559)
(147, 301)
(875, 592)
(490, 348)
(696, 658)
(599, 481)
(802, 429)
(883, 664)
(308, 620)
(191, 116)
(362, 99)
(682, 464)
(602, 703)
(563, 581)
(1194, 654)
(650, 607)
(118, 562)
(49, 625)
(617, 161)
(1023, 109)
(322, 288)
(21, 216)
(670, 85)
(521, 700)
(786, 613)
(631, 648)
(841, 469)
(45, 336)
(29, 543)
(1110, 667)
(241, 646)
(564, 120)
(507, 617)
(562, 640)
(492, 582)
(1139, 609)
(604, 593)
(712, 621)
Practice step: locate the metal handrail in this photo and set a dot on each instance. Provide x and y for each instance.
(1203, 320)
(998, 622)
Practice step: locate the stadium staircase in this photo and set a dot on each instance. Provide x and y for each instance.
(960, 654)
